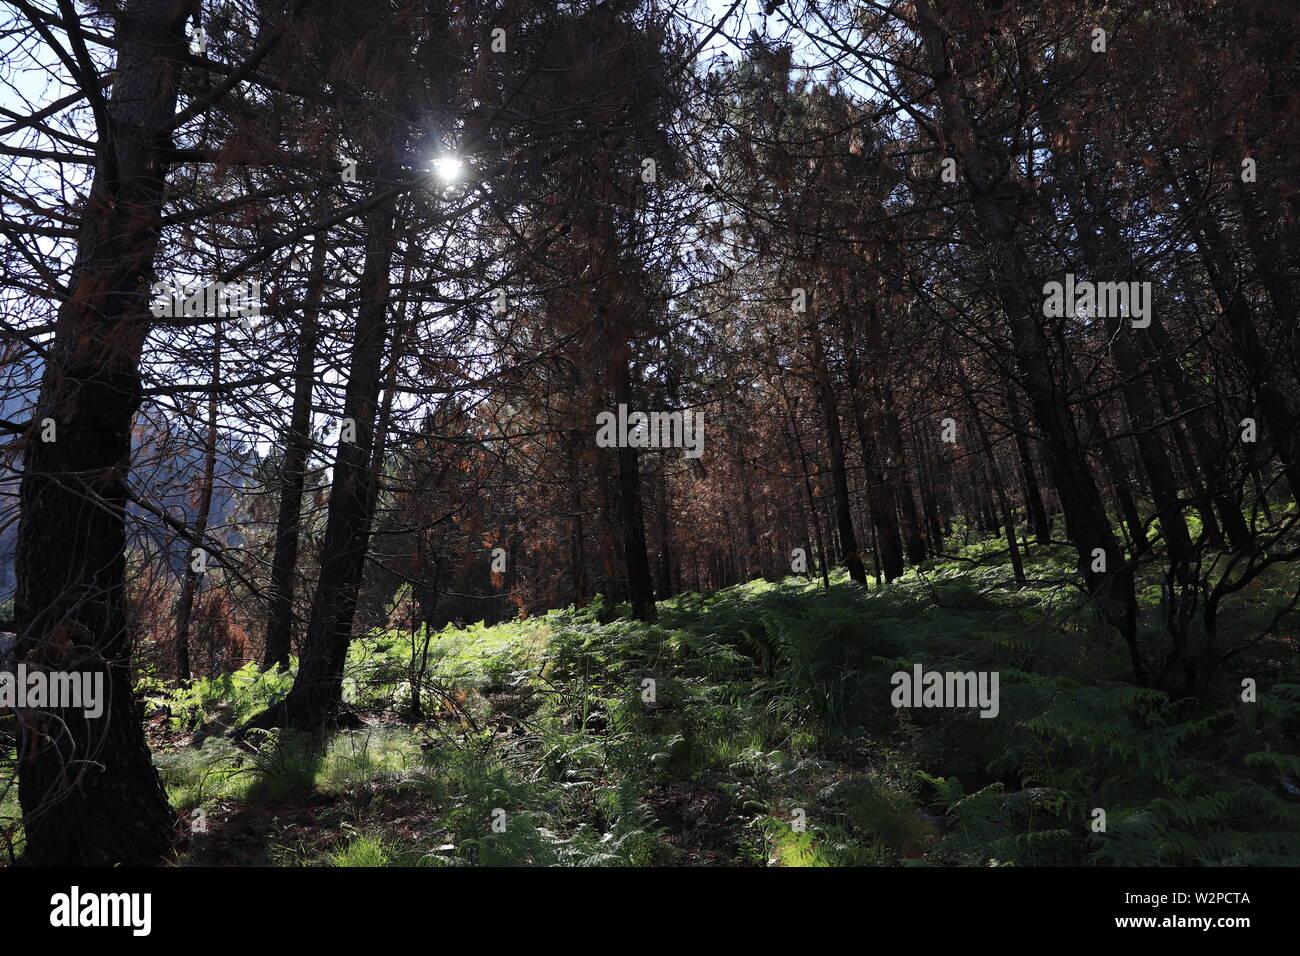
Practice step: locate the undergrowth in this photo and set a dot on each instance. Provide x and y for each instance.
(754, 726)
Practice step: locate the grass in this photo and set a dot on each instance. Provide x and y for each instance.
(753, 726)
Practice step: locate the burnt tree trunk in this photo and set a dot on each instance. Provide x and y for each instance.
(1086, 521)
(89, 793)
(317, 688)
(888, 550)
(190, 581)
(293, 471)
(839, 473)
(631, 514)
(1035, 513)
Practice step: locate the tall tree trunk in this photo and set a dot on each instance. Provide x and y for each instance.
(835, 447)
(1193, 472)
(1268, 252)
(1118, 471)
(87, 786)
(754, 562)
(888, 550)
(632, 515)
(190, 582)
(995, 477)
(577, 553)
(808, 491)
(293, 469)
(317, 688)
(900, 477)
(1087, 524)
(1035, 513)
(1099, 236)
(930, 506)
(611, 558)
(665, 538)
(1277, 411)
(1212, 458)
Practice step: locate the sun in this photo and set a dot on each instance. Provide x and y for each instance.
(448, 168)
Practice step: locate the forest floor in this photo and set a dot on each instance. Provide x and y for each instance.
(754, 726)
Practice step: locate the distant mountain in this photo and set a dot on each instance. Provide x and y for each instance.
(167, 464)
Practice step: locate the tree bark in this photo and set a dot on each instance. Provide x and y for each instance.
(1087, 524)
(880, 490)
(1035, 512)
(839, 474)
(293, 470)
(88, 789)
(631, 514)
(317, 687)
(190, 582)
